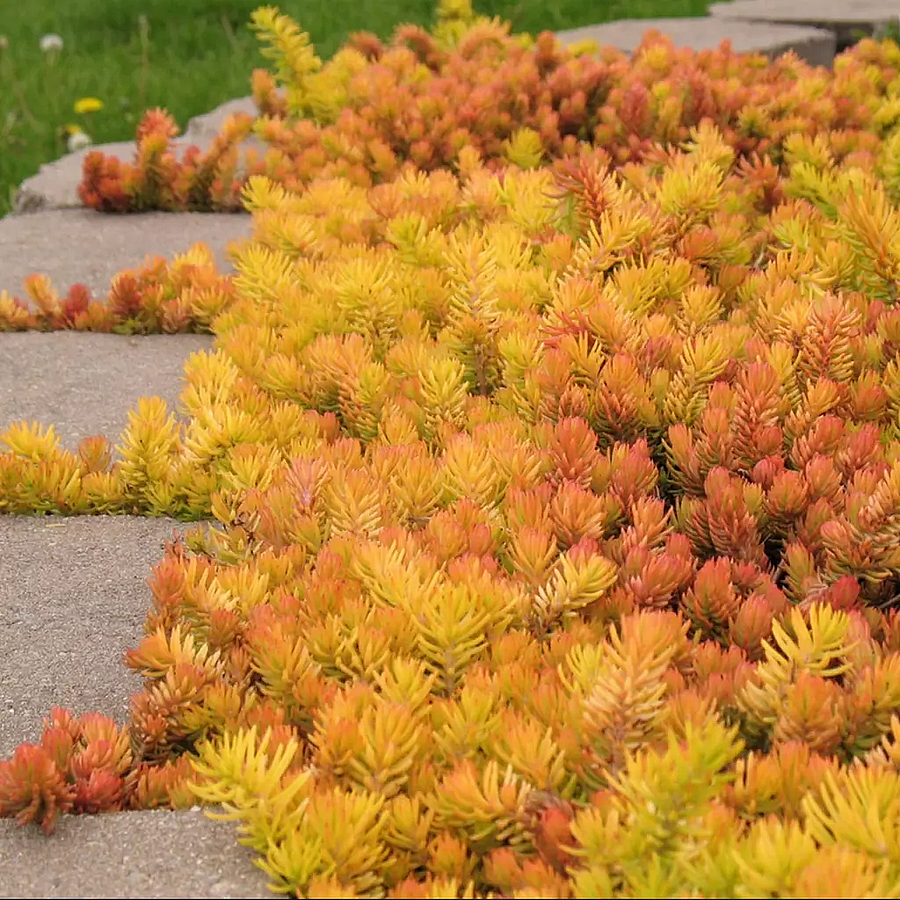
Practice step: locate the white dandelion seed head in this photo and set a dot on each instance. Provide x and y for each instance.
(78, 140)
(50, 43)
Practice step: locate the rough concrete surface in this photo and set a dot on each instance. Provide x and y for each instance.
(846, 20)
(201, 130)
(814, 45)
(133, 854)
(84, 383)
(80, 245)
(55, 186)
(73, 599)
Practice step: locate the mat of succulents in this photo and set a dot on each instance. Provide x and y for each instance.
(544, 473)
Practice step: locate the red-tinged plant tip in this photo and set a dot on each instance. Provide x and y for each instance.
(77, 301)
(59, 743)
(79, 766)
(157, 122)
(163, 786)
(365, 42)
(33, 789)
(101, 791)
(551, 816)
(102, 184)
(264, 91)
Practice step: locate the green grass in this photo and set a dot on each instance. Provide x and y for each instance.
(191, 55)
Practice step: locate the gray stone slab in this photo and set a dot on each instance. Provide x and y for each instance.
(80, 245)
(55, 186)
(85, 384)
(202, 129)
(73, 599)
(846, 19)
(155, 853)
(814, 45)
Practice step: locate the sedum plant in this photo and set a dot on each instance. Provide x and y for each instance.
(425, 96)
(553, 535)
(183, 295)
(551, 501)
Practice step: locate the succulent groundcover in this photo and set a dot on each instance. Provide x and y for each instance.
(545, 473)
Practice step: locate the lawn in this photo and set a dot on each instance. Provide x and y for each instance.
(191, 55)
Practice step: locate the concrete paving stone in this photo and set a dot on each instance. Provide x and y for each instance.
(86, 384)
(81, 245)
(202, 129)
(845, 19)
(55, 186)
(73, 599)
(814, 45)
(154, 853)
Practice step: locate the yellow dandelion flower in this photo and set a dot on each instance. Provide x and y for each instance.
(88, 105)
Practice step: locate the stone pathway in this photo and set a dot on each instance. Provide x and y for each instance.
(846, 20)
(136, 854)
(80, 245)
(73, 592)
(62, 638)
(84, 383)
(814, 45)
(814, 29)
